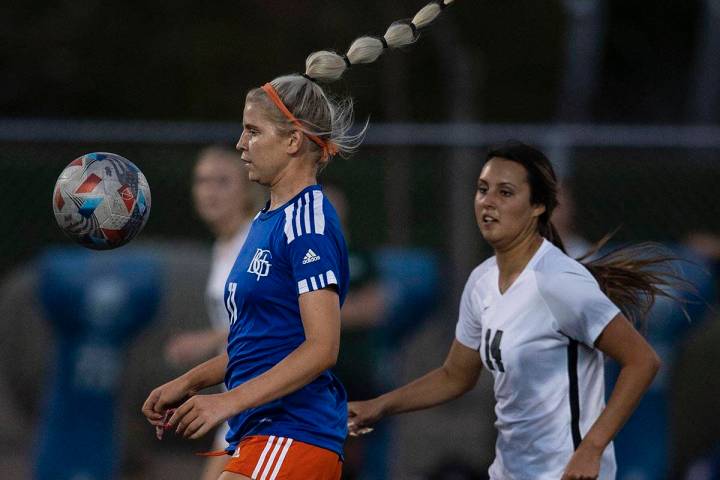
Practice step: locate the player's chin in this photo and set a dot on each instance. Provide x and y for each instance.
(491, 237)
(259, 180)
(488, 233)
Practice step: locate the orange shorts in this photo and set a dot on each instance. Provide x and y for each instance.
(263, 457)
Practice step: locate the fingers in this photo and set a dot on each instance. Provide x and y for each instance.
(189, 421)
(202, 431)
(150, 407)
(163, 425)
(355, 430)
(361, 432)
(578, 476)
(192, 426)
(178, 420)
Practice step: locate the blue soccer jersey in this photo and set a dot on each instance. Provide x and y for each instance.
(294, 249)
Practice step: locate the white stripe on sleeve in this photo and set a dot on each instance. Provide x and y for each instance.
(303, 286)
(322, 280)
(318, 215)
(313, 283)
(307, 212)
(331, 277)
(288, 223)
(298, 213)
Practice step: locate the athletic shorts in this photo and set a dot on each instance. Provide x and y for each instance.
(263, 457)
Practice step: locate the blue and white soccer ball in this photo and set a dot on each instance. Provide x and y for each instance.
(101, 200)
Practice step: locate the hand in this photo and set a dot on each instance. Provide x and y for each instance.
(583, 465)
(164, 397)
(363, 414)
(200, 414)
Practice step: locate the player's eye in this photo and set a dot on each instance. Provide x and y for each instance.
(506, 193)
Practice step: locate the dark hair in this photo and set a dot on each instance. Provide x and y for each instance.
(631, 276)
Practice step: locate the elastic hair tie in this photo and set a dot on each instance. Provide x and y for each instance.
(383, 41)
(441, 4)
(308, 77)
(346, 60)
(412, 26)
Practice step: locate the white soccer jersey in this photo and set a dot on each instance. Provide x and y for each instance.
(537, 341)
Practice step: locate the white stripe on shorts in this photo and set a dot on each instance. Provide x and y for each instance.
(270, 461)
(281, 459)
(262, 456)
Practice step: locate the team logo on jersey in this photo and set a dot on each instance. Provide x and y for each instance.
(310, 257)
(260, 264)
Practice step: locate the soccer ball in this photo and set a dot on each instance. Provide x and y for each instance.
(101, 200)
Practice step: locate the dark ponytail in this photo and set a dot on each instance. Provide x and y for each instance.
(632, 277)
(548, 230)
(635, 275)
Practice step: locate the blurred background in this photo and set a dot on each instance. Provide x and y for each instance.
(624, 97)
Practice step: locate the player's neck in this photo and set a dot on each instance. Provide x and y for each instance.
(512, 261)
(290, 182)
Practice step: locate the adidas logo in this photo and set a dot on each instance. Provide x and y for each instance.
(310, 257)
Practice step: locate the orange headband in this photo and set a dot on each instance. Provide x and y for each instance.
(328, 148)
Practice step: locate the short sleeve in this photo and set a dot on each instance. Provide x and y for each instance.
(468, 330)
(315, 261)
(581, 309)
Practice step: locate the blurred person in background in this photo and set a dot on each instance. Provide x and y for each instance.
(563, 219)
(540, 322)
(226, 201)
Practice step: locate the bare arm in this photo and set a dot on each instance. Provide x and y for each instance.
(320, 314)
(175, 391)
(639, 363)
(364, 307)
(455, 377)
(207, 374)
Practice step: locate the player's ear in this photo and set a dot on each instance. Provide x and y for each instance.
(538, 209)
(295, 141)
